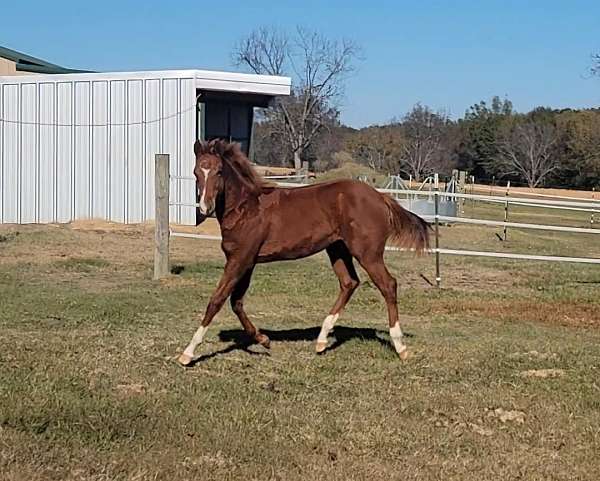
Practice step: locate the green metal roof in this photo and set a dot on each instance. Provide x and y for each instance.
(27, 63)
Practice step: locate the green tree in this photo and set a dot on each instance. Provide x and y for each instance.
(377, 146)
(479, 132)
(580, 131)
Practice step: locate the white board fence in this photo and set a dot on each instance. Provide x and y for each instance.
(163, 231)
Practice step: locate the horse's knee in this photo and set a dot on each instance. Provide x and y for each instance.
(390, 288)
(237, 305)
(350, 284)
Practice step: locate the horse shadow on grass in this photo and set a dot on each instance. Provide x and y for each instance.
(341, 334)
(242, 345)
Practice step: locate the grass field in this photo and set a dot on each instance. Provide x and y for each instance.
(502, 382)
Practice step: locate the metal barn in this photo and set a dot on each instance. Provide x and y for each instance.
(82, 146)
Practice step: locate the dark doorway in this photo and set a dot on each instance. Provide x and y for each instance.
(229, 121)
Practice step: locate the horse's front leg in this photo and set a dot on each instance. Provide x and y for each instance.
(233, 272)
(237, 305)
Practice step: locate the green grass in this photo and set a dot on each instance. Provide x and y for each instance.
(89, 389)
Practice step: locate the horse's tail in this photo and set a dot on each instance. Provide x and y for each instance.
(408, 230)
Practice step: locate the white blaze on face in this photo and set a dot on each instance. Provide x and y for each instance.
(396, 335)
(328, 324)
(197, 339)
(203, 207)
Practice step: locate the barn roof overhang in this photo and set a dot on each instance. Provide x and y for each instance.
(262, 86)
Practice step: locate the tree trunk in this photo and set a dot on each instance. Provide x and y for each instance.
(298, 160)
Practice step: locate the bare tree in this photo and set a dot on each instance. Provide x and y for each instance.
(319, 67)
(595, 68)
(527, 150)
(423, 147)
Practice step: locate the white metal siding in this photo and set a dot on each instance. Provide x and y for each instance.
(47, 153)
(10, 154)
(84, 148)
(64, 155)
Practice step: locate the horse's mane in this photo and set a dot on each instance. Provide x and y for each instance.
(237, 161)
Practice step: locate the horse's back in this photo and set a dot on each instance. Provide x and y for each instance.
(307, 219)
(326, 189)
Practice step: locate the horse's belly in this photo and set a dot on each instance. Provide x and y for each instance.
(291, 242)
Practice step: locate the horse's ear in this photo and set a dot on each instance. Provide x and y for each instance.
(219, 147)
(197, 147)
(232, 149)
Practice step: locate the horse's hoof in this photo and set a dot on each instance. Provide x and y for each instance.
(320, 347)
(184, 360)
(403, 355)
(263, 340)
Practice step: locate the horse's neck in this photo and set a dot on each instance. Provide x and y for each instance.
(237, 201)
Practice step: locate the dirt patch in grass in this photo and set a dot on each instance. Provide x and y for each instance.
(521, 310)
(81, 264)
(543, 373)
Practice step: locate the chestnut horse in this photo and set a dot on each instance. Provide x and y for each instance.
(263, 223)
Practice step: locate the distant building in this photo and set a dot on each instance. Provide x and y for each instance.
(17, 63)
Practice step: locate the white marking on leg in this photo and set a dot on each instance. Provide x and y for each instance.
(197, 339)
(396, 335)
(203, 208)
(328, 324)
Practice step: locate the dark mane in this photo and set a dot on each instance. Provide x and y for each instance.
(237, 161)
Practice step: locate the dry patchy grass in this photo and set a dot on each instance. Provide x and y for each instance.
(502, 382)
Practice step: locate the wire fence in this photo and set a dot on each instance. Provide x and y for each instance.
(95, 124)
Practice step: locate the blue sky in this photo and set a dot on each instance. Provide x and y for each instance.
(447, 55)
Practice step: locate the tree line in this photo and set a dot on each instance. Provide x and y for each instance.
(543, 147)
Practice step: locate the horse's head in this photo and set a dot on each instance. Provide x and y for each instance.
(219, 162)
(209, 173)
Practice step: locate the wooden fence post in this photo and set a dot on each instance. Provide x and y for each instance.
(161, 216)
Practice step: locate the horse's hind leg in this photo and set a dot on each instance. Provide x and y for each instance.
(386, 283)
(341, 261)
(237, 305)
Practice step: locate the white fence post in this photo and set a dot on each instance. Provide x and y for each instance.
(506, 210)
(161, 216)
(438, 276)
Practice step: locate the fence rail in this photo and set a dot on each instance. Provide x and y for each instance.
(493, 198)
(163, 230)
(545, 206)
(535, 194)
(441, 250)
(518, 225)
(530, 257)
